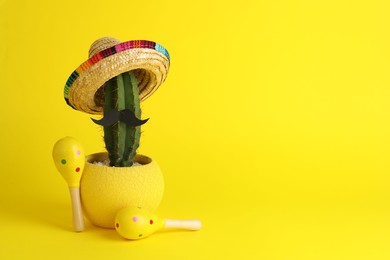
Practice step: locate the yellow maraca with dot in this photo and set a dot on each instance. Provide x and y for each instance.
(136, 223)
(69, 158)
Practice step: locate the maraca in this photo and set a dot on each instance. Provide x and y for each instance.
(69, 158)
(137, 223)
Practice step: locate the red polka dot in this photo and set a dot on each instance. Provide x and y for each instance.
(77, 169)
(151, 221)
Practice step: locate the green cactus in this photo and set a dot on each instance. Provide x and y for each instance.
(122, 140)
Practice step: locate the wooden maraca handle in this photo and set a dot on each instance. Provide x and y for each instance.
(78, 220)
(183, 224)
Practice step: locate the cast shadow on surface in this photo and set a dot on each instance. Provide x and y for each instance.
(48, 213)
(38, 211)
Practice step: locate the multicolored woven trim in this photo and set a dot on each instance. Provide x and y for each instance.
(141, 44)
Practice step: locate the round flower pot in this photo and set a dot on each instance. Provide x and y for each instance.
(105, 190)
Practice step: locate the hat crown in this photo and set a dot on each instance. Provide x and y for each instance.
(102, 44)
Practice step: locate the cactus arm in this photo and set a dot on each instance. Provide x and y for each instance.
(121, 104)
(110, 132)
(133, 134)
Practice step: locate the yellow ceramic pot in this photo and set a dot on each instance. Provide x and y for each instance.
(105, 190)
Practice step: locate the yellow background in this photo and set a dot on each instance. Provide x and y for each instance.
(273, 127)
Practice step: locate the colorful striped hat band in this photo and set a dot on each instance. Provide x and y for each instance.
(109, 58)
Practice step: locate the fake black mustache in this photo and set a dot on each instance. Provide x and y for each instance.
(126, 116)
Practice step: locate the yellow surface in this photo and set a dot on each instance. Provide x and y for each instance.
(273, 127)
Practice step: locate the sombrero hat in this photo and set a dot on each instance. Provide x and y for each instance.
(109, 58)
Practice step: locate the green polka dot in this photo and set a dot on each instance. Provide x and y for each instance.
(140, 235)
(63, 161)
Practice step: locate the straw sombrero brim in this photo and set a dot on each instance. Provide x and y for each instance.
(149, 61)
